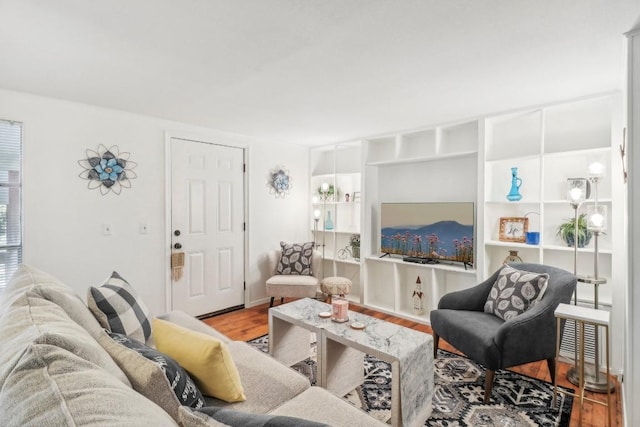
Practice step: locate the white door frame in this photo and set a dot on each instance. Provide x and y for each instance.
(217, 140)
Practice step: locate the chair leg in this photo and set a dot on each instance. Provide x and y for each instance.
(271, 303)
(488, 385)
(551, 364)
(282, 300)
(436, 341)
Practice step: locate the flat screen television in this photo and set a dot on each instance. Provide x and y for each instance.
(435, 231)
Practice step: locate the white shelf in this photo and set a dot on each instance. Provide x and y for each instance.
(458, 268)
(562, 140)
(425, 159)
(338, 165)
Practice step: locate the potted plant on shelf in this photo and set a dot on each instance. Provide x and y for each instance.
(354, 242)
(566, 231)
(330, 192)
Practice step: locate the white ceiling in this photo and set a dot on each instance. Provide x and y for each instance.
(314, 71)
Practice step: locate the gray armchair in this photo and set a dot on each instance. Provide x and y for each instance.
(494, 343)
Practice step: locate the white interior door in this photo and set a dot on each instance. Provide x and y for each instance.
(207, 219)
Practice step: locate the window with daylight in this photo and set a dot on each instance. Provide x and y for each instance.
(10, 199)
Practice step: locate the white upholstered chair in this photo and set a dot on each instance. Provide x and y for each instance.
(292, 286)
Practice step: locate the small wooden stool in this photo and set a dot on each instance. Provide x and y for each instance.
(335, 286)
(582, 316)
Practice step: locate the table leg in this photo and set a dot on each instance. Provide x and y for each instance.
(288, 343)
(341, 368)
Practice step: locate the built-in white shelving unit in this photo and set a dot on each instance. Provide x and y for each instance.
(472, 161)
(339, 166)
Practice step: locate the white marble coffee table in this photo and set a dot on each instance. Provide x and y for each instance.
(341, 352)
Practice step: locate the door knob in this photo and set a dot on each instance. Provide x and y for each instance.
(177, 232)
(177, 246)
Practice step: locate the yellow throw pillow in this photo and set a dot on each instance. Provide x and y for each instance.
(206, 359)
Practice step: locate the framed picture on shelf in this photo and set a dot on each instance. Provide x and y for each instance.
(513, 229)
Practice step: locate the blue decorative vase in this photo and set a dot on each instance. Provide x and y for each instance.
(514, 194)
(328, 223)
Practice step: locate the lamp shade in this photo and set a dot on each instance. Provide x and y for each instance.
(597, 218)
(596, 170)
(578, 190)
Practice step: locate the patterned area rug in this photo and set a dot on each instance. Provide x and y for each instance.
(517, 400)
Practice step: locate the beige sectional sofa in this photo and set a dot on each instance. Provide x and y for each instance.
(54, 372)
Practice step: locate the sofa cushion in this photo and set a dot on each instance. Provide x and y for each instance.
(31, 318)
(118, 309)
(242, 419)
(153, 374)
(267, 382)
(51, 289)
(206, 358)
(514, 292)
(50, 386)
(192, 418)
(295, 259)
(317, 404)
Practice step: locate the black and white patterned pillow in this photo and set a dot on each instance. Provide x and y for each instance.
(118, 309)
(296, 259)
(179, 380)
(514, 292)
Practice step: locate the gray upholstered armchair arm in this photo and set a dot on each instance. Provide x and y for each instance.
(471, 299)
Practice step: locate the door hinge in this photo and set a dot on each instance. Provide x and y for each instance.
(244, 226)
(244, 285)
(244, 167)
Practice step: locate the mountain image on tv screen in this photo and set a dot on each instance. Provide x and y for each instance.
(439, 231)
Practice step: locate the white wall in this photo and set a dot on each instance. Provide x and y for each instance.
(63, 219)
(631, 385)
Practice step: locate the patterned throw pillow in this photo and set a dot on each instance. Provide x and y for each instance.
(118, 309)
(154, 374)
(514, 292)
(295, 259)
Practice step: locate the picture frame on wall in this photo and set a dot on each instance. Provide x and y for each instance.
(513, 229)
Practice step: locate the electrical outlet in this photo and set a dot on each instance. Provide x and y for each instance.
(107, 230)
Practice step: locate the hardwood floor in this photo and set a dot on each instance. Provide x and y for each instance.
(246, 324)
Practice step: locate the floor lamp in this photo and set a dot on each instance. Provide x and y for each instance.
(578, 190)
(597, 224)
(324, 188)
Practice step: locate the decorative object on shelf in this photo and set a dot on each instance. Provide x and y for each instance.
(328, 222)
(356, 197)
(418, 297)
(339, 309)
(567, 231)
(279, 182)
(354, 242)
(108, 169)
(326, 192)
(513, 229)
(514, 194)
(346, 197)
(532, 237)
(512, 257)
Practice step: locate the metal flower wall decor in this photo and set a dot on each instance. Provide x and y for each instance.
(279, 182)
(108, 169)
